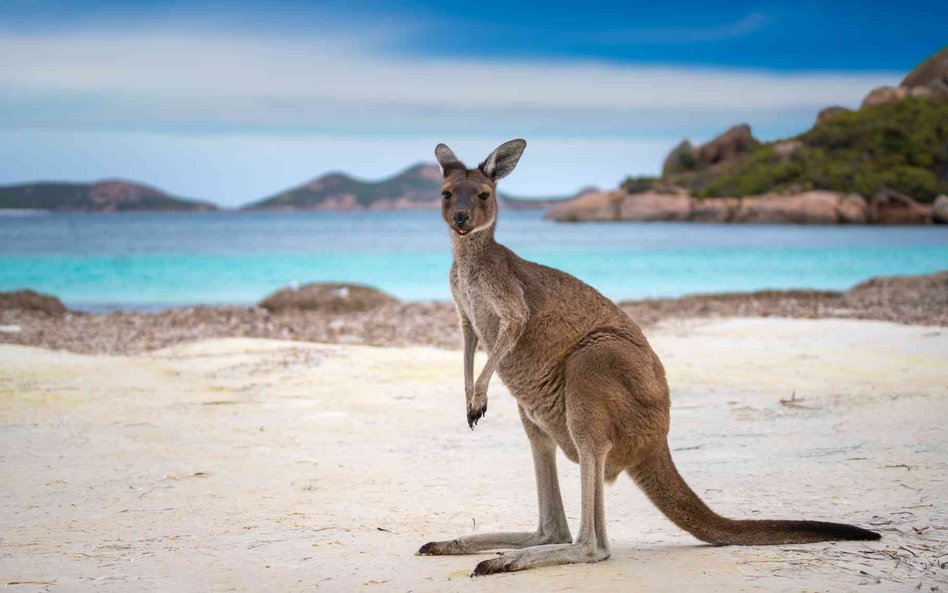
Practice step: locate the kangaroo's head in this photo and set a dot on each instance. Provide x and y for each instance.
(470, 195)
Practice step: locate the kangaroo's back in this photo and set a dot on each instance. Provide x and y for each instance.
(563, 311)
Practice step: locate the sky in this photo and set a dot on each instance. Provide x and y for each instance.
(234, 101)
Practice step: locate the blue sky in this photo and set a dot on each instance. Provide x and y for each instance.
(233, 101)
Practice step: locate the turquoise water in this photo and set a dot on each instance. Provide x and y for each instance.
(100, 261)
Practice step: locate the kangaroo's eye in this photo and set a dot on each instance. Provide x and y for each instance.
(483, 196)
(446, 195)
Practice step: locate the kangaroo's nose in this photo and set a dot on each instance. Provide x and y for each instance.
(461, 217)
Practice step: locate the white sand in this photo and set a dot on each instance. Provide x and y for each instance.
(253, 465)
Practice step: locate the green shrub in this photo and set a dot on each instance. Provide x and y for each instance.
(637, 185)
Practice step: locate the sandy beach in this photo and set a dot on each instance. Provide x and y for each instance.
(250, 464)
(249, 251)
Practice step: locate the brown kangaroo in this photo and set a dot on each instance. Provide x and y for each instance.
(585, 380)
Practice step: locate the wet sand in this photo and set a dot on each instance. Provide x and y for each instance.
(250, 465)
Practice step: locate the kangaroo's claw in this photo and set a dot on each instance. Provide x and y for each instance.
(475, 414)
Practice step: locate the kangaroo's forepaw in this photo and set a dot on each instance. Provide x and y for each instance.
(475, 412)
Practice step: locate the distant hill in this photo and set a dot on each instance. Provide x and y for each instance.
(110, 195)
(415, 188)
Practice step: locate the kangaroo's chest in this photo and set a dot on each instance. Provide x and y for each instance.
(535, 381)
(472, 294)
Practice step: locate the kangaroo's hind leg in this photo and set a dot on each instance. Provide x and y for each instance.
(590, 392)
(552, 527)
(591, 545)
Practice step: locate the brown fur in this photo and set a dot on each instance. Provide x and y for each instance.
(586, 381)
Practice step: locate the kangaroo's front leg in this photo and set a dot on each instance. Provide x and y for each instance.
(552, 528)
(512, 312)
(474, 410)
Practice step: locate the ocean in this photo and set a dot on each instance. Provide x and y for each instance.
(155, 260)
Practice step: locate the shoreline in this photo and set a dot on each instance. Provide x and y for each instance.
(815, 207)
(907, 300)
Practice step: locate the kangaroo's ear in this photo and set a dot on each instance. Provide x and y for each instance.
(447, 159)
(502, 161)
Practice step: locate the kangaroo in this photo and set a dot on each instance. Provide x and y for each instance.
(585, 380)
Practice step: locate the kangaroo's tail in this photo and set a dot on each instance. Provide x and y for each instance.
(661, 481)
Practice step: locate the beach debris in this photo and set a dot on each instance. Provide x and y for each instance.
(182, 476)
(916, 300)
(905, 465)
(793, 402)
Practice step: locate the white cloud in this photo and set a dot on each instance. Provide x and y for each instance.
(333, 80)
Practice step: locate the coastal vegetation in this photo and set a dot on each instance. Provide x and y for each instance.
(901, 146)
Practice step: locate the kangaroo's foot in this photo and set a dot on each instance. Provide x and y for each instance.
(542, 556)
(471, 544)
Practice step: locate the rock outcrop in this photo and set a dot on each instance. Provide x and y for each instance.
(883, 95)
(327, 297)
(32, 301)
(680, 159)
(594, 207)
(932, 74)
(853, 209)
(714, 210)
(888, 94)
(940, 210)
(829, 112)
(891, 207)
(736, 141)
(928, 79)
(812, 207)
(652, 206)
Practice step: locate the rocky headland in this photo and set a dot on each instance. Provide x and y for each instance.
(809, 207)
(886, 163)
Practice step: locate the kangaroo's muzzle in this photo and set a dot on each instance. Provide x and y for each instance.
(461, 218)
